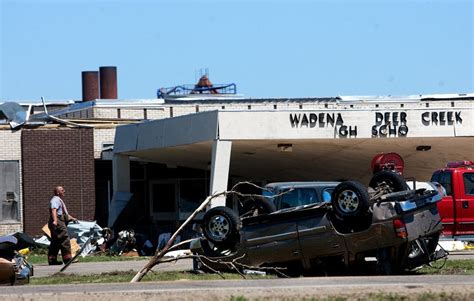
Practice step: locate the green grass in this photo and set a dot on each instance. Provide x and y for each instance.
(451, 267)
(376, 297)
(126, 276)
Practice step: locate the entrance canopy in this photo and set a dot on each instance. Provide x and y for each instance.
(298, 145)
(306, 145)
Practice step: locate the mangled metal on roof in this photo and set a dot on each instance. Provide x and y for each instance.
(13, 114)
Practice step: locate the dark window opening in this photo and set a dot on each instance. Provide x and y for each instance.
(9, 192)
(191, 194)
(164, 197)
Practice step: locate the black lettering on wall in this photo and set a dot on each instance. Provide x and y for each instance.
(383, 130)
(425, 118)
(321, 120)
(403, 118)
(392, 130)
(450, 118)
(330, 118)
(391, 124)
(295, 120)
(441, 118)
(312, 120)
(339, 120)
(378, 118)
(374, 131)
(304, 121)
(395, 118)
(353, 131)
(403, 130)
(343, 131)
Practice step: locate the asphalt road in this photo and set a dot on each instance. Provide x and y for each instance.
(459, 255)
(82, 268)
(251, 288)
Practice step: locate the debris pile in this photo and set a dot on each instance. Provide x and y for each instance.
(14, 267)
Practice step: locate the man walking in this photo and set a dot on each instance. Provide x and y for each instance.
(58, 219)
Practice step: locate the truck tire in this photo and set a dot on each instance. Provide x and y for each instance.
(387, 181)
(256, 205)
(221, 225)
(350, 199)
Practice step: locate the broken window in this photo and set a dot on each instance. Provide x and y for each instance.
(9, 191)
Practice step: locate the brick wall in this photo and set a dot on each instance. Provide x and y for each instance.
(158, 114)
(53, 157)
(132, 113)
(10, 142)
(105, 113)
(101, 136)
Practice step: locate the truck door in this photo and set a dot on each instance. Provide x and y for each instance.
(272, 242)
(464, 194)
(318, 238)
(446, 206)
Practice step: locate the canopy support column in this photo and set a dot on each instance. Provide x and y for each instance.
(221, 151)
(121, 184)
(121, 173)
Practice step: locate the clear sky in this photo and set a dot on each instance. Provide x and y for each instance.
(268, 48)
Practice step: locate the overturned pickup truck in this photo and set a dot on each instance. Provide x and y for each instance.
(397, 227)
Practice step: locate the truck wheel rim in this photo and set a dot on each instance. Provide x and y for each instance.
(219, 227)
(348, 201)
(415, 250)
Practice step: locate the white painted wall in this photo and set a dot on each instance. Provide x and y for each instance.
(162, 133)
(277, 125)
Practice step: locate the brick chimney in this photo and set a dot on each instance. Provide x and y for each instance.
(90, 85)
(108, 82)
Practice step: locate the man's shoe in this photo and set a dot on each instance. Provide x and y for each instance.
(55, 263)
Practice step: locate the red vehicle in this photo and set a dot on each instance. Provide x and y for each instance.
(457, 207)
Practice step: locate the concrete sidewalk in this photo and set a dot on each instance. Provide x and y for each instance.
(84, 268)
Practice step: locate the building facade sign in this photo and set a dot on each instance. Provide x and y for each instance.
(441, 117)
(323, 120)
(390, 124)
(385, 123)
(346, 124)
(297, 124)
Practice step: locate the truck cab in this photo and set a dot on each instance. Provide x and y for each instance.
(457, 207)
